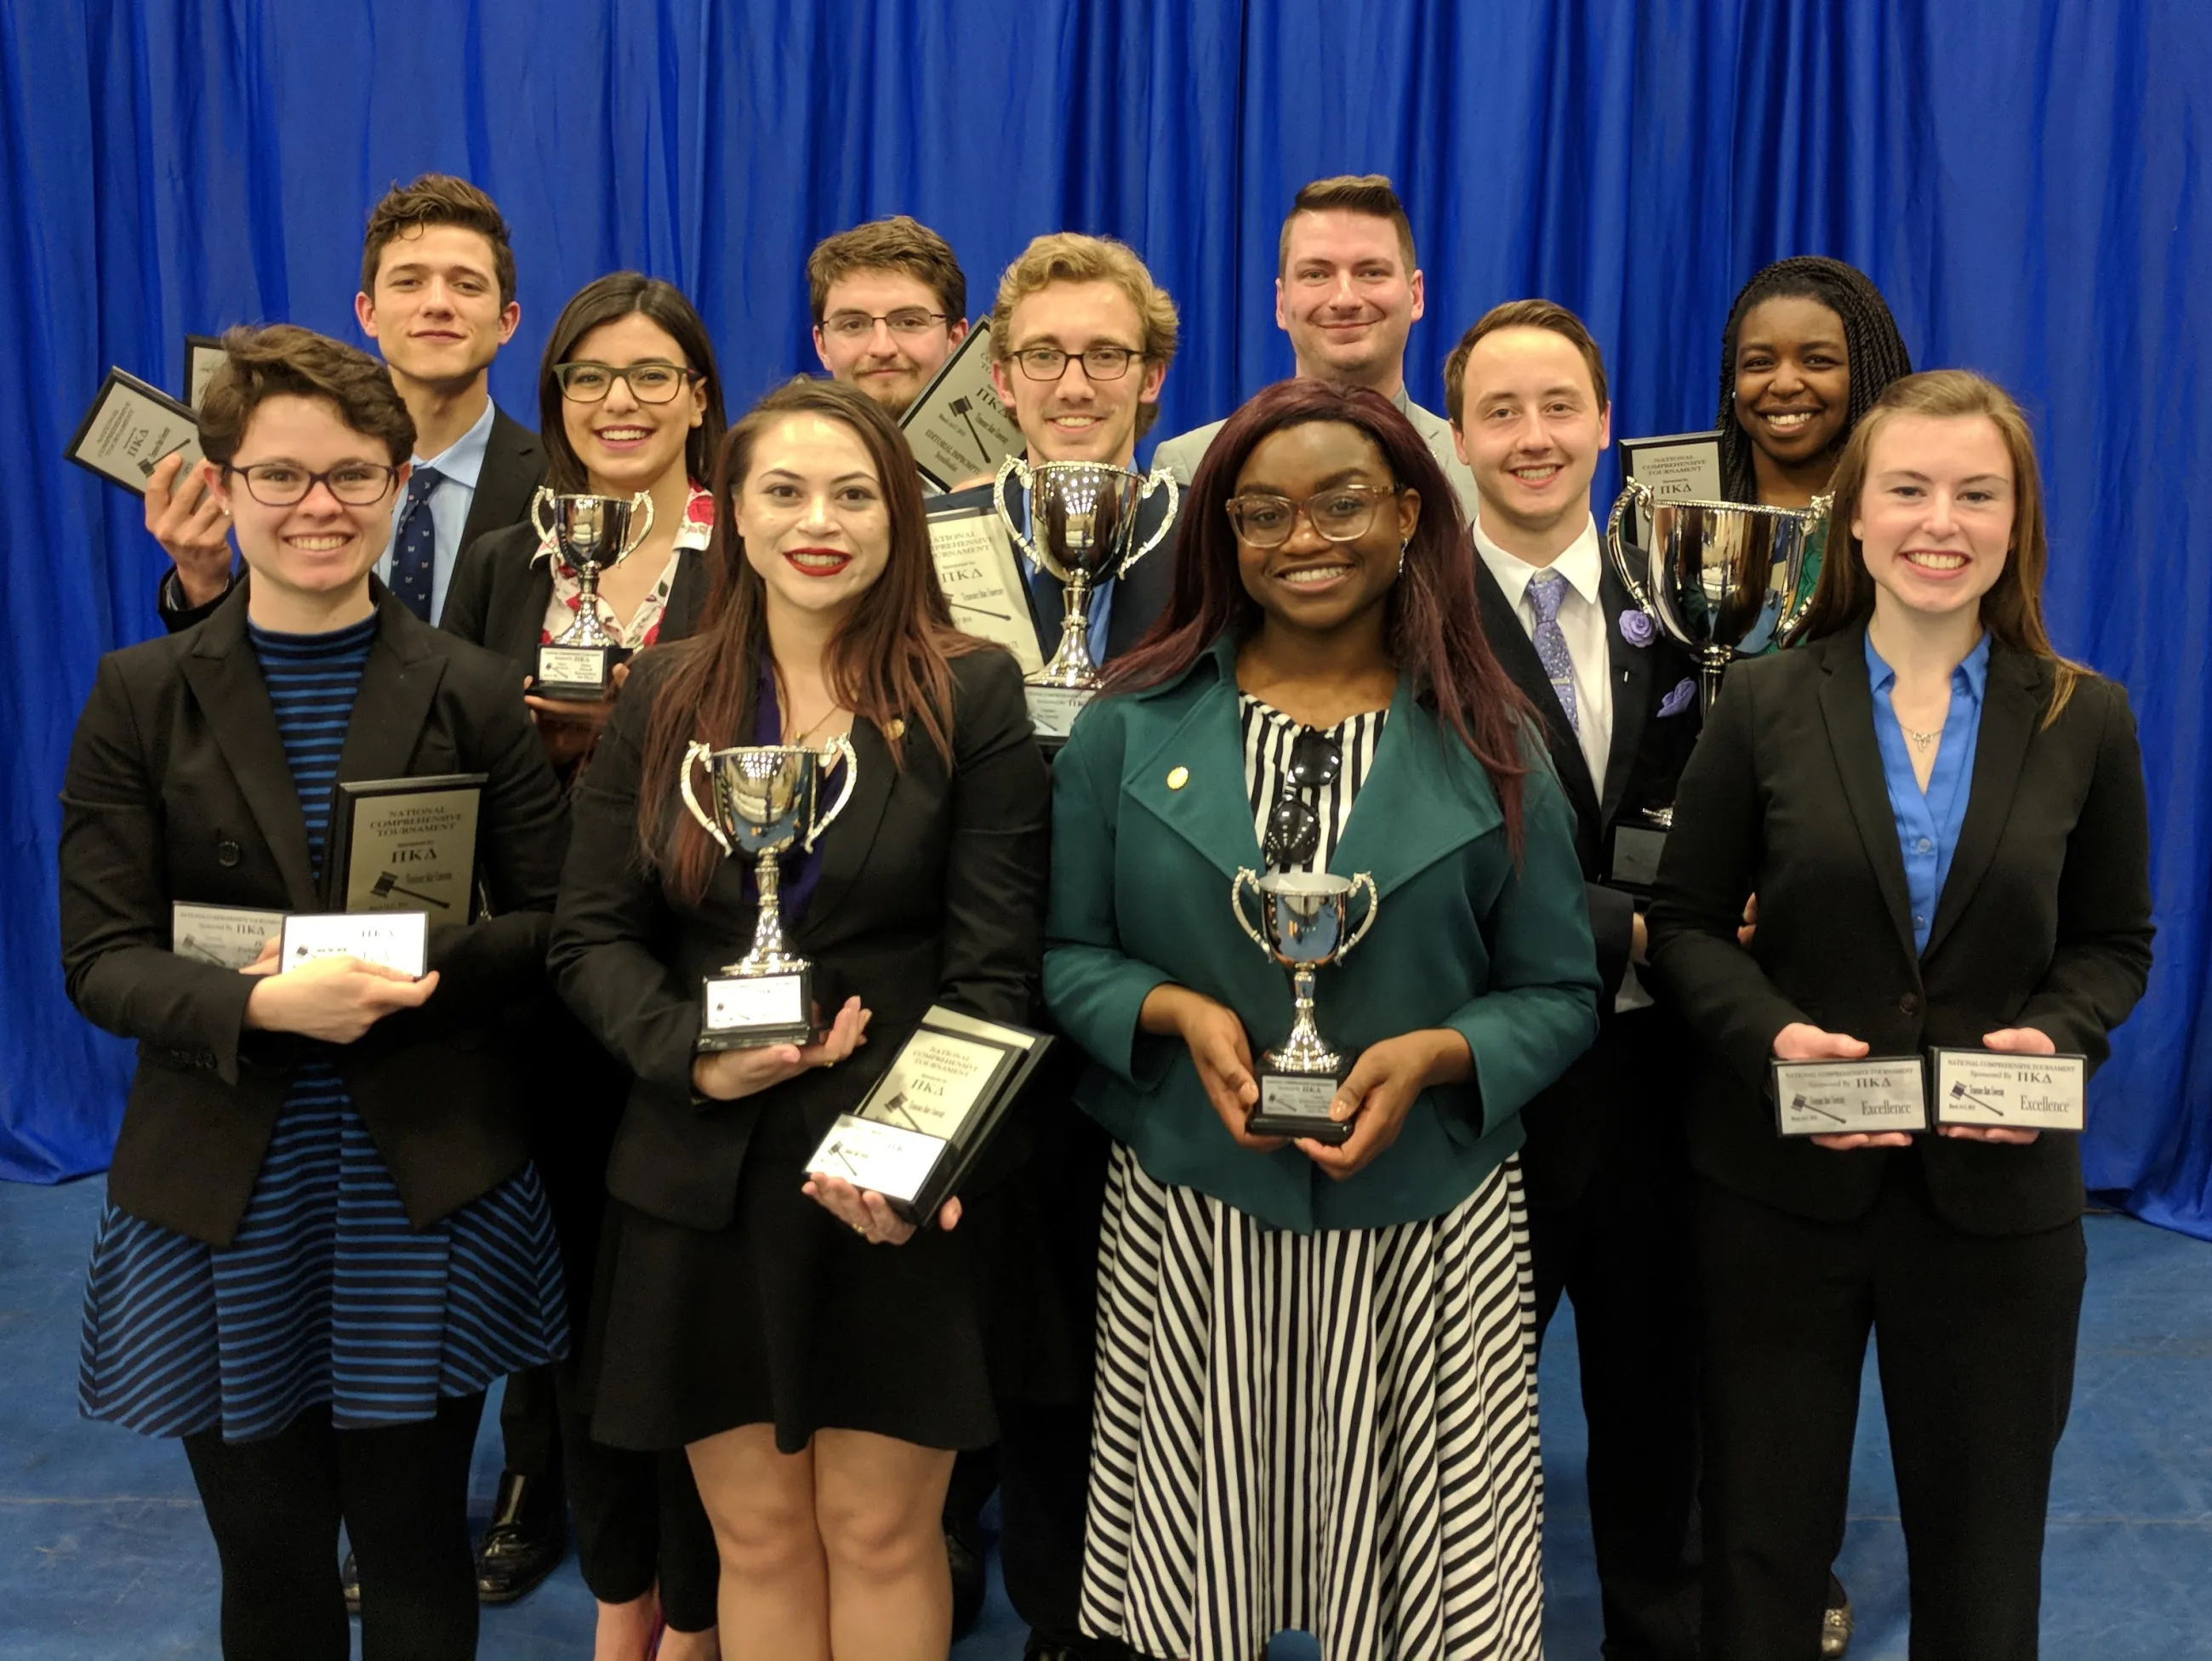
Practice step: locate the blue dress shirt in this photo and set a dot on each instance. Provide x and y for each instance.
(1928, 822)
(448, 507)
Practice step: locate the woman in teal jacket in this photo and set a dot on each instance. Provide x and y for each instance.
(1317, 1403)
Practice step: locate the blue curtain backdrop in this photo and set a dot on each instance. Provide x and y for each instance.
(2020, 179)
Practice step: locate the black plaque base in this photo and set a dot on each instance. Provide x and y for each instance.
(1297, 1104)
(753, 1011)
(576, 674)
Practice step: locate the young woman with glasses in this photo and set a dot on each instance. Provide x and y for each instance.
(629, 401)
(323, 1236)
(1316, 1404)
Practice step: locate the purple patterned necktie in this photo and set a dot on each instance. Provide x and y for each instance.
(412, 561)
(1546, 590)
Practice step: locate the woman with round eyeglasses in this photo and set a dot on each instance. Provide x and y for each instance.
(1319, 1411)
(630, 401)
(324, 1236)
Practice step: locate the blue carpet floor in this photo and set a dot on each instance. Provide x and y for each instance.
(104, 1555)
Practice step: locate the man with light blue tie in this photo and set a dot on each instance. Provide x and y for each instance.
(437, 296)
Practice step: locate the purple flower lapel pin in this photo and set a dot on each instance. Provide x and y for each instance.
(1636, 626)
(1679, 699)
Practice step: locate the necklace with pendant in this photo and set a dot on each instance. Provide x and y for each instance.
(1924, 739)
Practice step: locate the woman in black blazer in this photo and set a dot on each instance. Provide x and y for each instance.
(324, 1238)
(1945, 824)
(817, 1358)
(630, 401)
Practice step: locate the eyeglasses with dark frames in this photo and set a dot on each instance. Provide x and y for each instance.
(1099, 362)
(651, 381)
(286, 484)
(1293, 824)
(1342, 513)
(907, 322)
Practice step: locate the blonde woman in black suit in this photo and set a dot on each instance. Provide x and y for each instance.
(1945, 824)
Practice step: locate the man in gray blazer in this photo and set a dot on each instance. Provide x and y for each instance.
(1347, 292)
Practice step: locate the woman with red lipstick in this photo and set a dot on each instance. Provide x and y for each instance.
(1945, 822)
(630, 401)
(818, 1358)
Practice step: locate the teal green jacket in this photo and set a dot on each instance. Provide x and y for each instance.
(1151, 819)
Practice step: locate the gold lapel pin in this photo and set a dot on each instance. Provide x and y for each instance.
(896, 729)
(1178, 777)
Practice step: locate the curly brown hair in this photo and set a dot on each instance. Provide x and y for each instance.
(285, 359)
(437, 198)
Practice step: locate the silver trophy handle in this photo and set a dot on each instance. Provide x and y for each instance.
(1820, 519)
(1246, 877)
(542, 500)
(839, 746)
(696, 753)
(1152, 482)
(1366, 922)
(1623, 567)
(643, 499)
(1014, 467)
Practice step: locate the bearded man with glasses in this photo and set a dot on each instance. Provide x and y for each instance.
(889, 304)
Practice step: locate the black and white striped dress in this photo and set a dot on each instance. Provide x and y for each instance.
(1333, 1432)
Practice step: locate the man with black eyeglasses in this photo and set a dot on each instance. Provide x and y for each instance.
(1081, 338)
(889, 304)
(437, 296)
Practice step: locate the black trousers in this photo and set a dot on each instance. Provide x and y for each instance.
(1622, 1251)
(530, 1430)
(1976, 1337)
(402, 1491)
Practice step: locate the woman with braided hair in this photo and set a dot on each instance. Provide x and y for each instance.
(1809, 346)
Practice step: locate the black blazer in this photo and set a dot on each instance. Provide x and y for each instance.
(1566, 1123)
(514, 467)
(931, 890)
(500, 591)
(177, 789)
(2044, 920)
(1139, 598)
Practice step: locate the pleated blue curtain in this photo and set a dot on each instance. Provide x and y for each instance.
(2021, 179)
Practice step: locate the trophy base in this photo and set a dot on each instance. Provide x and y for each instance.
(1297, 1104)
(576, 674)
(1053, 711)
(1637, 847)
(752, 1012)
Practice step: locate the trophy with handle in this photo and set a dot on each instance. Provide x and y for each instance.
(1082, 528)
(592, 534)
(1302, 926)
(1725, 579)
(764, 798)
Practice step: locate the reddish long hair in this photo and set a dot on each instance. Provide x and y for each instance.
(1430, 627)
(890, 658)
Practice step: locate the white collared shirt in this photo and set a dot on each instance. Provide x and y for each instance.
(1581, 621)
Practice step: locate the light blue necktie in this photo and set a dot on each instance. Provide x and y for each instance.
(412, 561)
(1546, 589)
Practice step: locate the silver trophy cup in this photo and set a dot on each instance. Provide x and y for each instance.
(1302, 926)
(592, 534)
(1723, 579)
(1082, 528)
(765, 798)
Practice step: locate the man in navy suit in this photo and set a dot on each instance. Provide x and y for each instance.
(1081, 338)
(1606, 1171)
(437, 296)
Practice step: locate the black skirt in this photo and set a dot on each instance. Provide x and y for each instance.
(787, 1318)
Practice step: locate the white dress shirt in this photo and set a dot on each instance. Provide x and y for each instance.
(1581, 621)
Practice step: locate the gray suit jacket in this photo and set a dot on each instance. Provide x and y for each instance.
(1180, 454)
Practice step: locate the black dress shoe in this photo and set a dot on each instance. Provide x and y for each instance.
(526, 1541)
(1835, 1621)
(964, 1550)
(1074, 1646)
(350, 1571)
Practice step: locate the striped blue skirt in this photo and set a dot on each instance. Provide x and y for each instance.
(326, 1296)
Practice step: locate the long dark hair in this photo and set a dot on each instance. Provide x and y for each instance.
(1430, 627)
(610, 299)
(1877, 351)
(890, 658)
(2012, 611)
